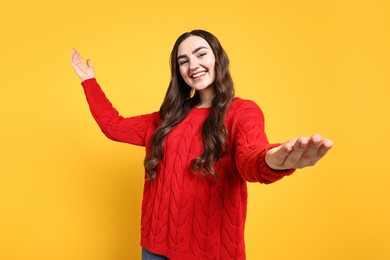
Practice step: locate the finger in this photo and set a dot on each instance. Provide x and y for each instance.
(316, 139)
(78, 58)
(325, 147)
(295, 155)
(77, 63)
(311, 152)
(89, 63)
(73, 56)
(284, 150)
(326, 144)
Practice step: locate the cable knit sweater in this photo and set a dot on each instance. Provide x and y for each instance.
(185, 215)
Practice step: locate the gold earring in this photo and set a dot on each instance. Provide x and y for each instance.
(192, 92)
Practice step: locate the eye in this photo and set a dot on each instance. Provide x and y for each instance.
(202, 54)
(182, 62)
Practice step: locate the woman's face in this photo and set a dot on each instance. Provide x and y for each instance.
(196, 62)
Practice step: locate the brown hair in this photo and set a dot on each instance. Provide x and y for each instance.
(178, 103)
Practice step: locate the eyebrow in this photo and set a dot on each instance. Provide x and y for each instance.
(195, 51)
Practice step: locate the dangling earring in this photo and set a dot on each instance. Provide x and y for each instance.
(192, 92)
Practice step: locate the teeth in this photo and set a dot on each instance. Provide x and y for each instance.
(197, 75)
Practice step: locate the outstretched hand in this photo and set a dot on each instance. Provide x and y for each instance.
(298, 152)
(83, 69)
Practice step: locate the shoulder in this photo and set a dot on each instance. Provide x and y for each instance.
(244, 108)
(243, 117)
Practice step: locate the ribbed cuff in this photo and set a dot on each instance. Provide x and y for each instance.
(89, 82)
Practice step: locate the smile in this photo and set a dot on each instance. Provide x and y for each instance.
(199, 74)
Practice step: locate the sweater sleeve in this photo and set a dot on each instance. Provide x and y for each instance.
(132, 130)
(251, 145)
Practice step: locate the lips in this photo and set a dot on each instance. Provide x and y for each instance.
(198, 74)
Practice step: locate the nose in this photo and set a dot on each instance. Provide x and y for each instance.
(194, 64)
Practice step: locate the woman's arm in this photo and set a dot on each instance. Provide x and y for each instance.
(251, 145)
(132, 130)
(257, 160)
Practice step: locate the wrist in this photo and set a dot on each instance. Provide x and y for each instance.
(85, 78)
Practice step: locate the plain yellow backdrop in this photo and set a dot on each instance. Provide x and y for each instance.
(67, 192)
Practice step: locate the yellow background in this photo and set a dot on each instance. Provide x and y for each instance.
(67, 192)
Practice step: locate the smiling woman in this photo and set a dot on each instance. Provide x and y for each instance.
(201, 149)
(196, 62)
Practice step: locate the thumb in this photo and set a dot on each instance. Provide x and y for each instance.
(89, 63)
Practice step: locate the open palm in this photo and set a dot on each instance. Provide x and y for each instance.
(83, 69)
(298, 152)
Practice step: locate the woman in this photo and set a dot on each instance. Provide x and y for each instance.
(201, 148)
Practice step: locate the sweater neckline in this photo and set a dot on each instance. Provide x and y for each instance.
(201, 110)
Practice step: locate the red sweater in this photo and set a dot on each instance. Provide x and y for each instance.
(185, 215)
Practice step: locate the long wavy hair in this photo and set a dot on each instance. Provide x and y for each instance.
(178, 102)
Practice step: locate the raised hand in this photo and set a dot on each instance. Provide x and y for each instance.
(298, 152)
(83, 69)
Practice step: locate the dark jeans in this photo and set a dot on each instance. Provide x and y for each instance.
(147, 255)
